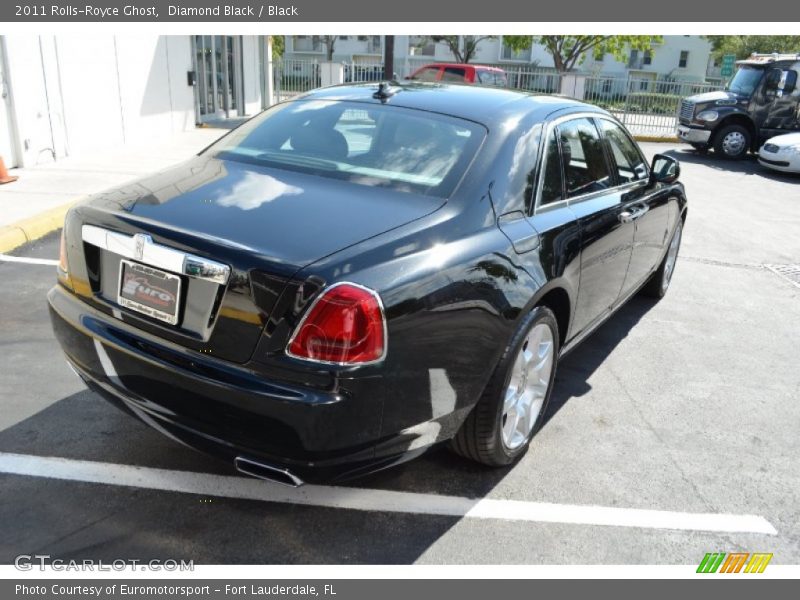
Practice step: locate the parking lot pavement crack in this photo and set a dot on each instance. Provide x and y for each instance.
(723, 263)
(662, 441)
(76, 531)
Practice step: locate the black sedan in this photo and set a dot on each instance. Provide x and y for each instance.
(363, 273)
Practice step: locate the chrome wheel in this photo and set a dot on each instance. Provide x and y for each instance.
(733, 144)
(672, 257)
(527, 388)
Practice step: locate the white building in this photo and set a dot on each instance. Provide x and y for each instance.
(66, 94)
(683, 57)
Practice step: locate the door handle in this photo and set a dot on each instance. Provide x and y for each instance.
(629, 216)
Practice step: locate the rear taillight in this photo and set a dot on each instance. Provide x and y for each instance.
(344, 326)
(62, 254)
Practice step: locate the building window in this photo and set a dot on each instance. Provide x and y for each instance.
(508, 54)
(363, 38)
(684, 59)
(307, 43)
(648, 57)
(344, 38)
(421, 45)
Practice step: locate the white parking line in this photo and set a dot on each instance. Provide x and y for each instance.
(31, 261)
(374, 500)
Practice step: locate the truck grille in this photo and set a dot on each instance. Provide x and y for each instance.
(687, 111)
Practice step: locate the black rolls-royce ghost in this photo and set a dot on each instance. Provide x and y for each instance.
(364, 272)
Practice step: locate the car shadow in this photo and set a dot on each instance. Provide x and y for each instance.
(746, 166)
(74, 520)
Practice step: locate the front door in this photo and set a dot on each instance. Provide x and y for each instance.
(782, 111)
(218, 69)
(6, 130)
(646, 207)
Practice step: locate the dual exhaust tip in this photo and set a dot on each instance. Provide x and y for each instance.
(260, 470)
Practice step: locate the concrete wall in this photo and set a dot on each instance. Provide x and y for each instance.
(75, 93)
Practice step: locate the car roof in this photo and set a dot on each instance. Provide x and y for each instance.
(489, 106)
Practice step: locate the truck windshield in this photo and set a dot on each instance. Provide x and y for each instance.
(745, 81)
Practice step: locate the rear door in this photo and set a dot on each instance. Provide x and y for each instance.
(589, 191)
(646, 207)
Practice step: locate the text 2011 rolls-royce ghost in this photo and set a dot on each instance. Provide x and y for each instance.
(364, 272)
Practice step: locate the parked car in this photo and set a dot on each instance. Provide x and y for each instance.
(781, 153)
(461, 73)
(761, 101)
(365, 272)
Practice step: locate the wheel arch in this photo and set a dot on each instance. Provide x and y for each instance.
(557, 299)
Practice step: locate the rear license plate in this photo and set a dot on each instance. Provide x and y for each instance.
(150, 291)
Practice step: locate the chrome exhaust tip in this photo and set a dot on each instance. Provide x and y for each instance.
(260, 470)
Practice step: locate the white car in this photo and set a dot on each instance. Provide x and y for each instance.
(781, 153)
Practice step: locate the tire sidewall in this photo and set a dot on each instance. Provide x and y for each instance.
(538, 315)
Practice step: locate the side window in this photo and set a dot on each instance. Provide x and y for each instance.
(552, 189)
(629, 163)
(585, 166)
(453, 74)
(427, 74)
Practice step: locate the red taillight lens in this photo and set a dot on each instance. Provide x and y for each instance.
(344, 326)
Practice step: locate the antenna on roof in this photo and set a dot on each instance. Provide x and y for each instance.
(385, 91)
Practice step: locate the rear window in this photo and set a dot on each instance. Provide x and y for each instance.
(383, 146)
(427, 74)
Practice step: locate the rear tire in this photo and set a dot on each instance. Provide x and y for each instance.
(732, 142)
(658, 284)
(499, 428)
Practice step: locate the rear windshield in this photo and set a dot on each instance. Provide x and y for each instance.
(384, 146)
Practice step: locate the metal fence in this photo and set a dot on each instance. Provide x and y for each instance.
(647, 105)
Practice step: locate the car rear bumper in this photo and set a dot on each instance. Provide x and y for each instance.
(693, 136)
(318, 434)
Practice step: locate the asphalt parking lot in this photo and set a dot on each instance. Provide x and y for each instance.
(675, 425)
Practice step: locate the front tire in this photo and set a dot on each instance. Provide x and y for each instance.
(659, 283)
(500, 427)
(732, 142)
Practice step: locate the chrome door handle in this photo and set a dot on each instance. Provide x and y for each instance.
(628, 216)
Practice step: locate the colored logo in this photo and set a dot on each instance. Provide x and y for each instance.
(734, 562)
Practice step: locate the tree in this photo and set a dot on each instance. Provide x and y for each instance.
(744, 45)
(463, 53)
(570, 50)
(277, 45)
(330, 43)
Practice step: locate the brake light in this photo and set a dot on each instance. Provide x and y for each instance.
(345, 325)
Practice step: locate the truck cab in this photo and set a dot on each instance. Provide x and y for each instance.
(760, 101)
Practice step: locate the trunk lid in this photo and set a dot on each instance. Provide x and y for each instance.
(265, 224)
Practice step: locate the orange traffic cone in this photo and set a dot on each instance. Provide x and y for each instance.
(4, 176)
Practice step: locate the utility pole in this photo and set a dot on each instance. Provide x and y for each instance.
(388, 57)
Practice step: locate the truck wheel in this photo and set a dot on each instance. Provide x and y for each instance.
(701, 148)
(733, 142)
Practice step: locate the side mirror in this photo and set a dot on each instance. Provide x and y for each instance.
(664, 169)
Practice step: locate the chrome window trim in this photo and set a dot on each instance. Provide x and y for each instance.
(551, 125)
(141, 248)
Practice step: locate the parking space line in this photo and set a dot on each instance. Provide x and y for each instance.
(207, 484)
(30, 261)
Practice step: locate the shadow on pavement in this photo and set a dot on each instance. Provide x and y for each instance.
(747, 166)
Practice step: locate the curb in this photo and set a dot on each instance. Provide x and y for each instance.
(27, 230)
(656, 138)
